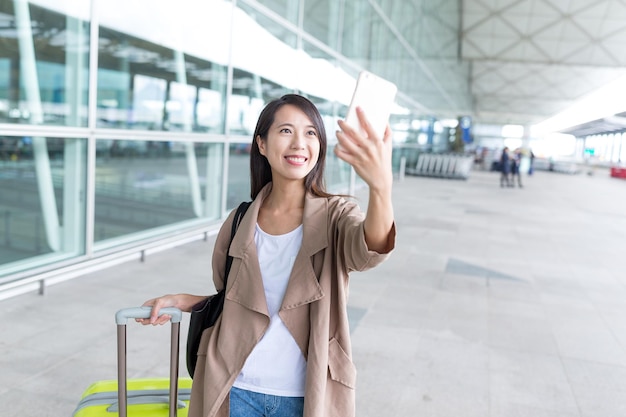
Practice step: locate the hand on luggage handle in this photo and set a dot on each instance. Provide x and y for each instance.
(144, 312)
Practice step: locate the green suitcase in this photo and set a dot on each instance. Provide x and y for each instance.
(139, 397)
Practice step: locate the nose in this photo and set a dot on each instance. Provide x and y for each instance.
(298, 141)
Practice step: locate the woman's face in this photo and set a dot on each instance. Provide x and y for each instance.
(292, 146)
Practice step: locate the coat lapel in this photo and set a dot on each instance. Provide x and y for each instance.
(303, 287)
(244, 281)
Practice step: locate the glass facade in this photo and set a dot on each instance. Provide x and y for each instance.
(127, 121)
(42, 204)
(143, 185)
(608, 148)
(44, 66)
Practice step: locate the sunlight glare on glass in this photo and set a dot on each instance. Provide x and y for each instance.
(512, 131)
(604, 102)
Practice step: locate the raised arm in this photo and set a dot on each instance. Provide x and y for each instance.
(371, 158)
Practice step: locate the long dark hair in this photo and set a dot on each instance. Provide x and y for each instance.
(260, 170)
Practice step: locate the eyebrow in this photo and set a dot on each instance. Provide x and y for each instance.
(292, 125)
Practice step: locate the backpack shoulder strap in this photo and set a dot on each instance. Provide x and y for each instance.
(241, 210)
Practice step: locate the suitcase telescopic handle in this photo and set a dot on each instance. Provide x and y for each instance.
(144, 312)
(121, 317)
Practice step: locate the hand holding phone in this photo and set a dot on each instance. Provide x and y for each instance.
(375, 96)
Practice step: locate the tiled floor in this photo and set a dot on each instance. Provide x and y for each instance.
(496, 303)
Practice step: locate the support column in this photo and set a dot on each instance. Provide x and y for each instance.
(28, 74)
(73, 230)
(190, 152)
(213, 193)
(74, 150)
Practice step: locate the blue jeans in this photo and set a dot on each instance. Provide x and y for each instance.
(253, 404)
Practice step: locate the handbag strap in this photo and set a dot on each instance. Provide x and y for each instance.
(241, 210)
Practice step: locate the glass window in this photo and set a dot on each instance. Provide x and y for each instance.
(238, 174)
(250, 93)
(42, 209)
(323, 21)
(266, 65)
(179, 106)
(358, 15)
(43, 66)
(209, 110)
(331, 97)
(287, 9)
(149, 97)
(145, 85)
(144, 185)
(5, 88)
(337, 172)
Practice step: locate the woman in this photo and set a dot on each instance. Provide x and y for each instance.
(283, 340)
(505, 168)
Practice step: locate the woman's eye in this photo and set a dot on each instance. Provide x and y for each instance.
(312, 133)
(285, 130)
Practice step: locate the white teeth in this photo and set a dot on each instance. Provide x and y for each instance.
(296, 158)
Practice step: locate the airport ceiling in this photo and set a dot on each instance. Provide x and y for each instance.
(531, 59)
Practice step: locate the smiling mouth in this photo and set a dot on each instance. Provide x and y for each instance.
(297, 159)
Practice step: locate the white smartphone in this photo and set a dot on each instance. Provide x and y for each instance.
(375, 96)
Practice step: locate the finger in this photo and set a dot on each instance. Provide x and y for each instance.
(149, 303)
(365, 124)
(344, 155)
(346, 142)
(340, 152)
(349, 134)
(154, 314)
(348, 129)
(388, 140)
(388, 133)
(160, 320)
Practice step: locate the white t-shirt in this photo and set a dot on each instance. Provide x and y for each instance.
(276, 365)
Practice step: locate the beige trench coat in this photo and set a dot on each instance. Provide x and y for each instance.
(313, 309)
